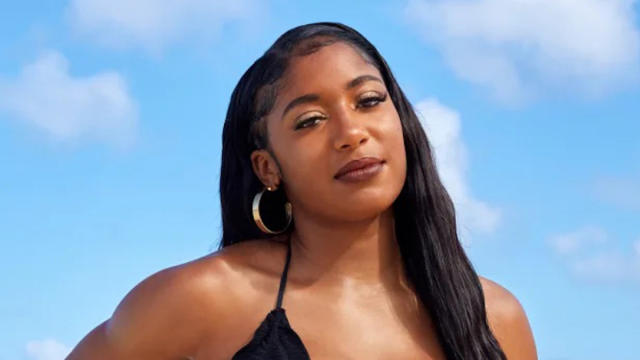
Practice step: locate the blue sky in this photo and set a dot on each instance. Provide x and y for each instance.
(110, 128)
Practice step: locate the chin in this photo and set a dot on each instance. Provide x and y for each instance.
(358, 208)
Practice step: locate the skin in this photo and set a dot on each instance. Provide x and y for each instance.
(346, 295)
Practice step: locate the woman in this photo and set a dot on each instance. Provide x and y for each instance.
(328, 190)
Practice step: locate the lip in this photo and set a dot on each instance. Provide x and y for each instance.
(362, 163)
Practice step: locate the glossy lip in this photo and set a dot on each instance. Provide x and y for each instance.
(358, 164)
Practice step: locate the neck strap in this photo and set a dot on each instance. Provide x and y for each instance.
(283, 278)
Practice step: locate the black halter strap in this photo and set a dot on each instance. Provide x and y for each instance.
(283, 278)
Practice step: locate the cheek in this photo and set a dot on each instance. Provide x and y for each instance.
(391, 132)
(305, 168)
(395, 150)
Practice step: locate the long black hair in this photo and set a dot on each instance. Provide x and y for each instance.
(425, 222)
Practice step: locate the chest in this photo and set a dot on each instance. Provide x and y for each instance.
(338, 332)
(358, 334)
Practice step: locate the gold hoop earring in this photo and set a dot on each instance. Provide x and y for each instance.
(258, 219)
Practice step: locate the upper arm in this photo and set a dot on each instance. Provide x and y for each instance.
(95, 345)
(508, 322)
(155, 320)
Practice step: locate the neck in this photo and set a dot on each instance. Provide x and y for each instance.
(354, 253)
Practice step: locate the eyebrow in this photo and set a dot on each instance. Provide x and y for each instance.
(314, 97)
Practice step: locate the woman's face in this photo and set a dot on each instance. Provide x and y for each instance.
(332, 108)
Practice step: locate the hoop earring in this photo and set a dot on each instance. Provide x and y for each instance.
(258, 219)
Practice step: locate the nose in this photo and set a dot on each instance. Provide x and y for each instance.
(349, 130)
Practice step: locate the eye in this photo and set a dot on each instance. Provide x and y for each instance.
(371, 100)
(310, 121)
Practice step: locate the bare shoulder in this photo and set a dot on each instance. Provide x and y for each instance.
(508, 321)
(168, 313)
(191, 294)
(156, 319)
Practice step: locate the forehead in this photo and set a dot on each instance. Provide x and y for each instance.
(330, 66)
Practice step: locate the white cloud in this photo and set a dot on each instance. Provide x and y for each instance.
(442, 126)
(68, 108)
(590, 255)
(48, 349)
(519, 49)
(609, 267)
(152, 24)
(573, 242)
(623, 192)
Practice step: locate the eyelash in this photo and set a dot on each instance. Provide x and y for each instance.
(378, 99)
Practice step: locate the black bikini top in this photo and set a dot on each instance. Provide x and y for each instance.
(274, 339)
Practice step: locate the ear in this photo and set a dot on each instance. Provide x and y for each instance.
(265, 168)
